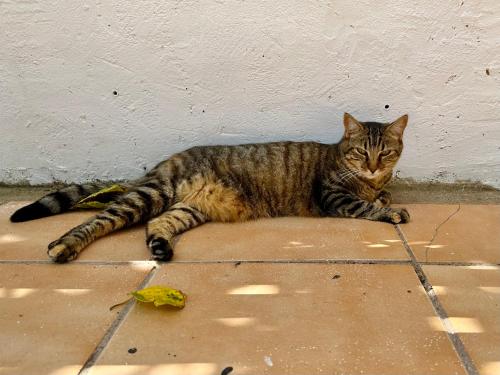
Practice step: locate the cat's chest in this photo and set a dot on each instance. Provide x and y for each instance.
(370, 190)
(367, 192)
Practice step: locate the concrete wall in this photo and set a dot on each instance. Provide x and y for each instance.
(207, 72)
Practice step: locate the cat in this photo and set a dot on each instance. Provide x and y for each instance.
(238, 183)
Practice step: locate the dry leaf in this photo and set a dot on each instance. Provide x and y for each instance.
(161, 295)
(100, 199)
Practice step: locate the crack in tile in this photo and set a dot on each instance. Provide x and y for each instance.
(436, 230)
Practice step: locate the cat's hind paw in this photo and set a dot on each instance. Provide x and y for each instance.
(161, 249)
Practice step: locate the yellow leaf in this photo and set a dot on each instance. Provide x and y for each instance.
(161, 295)
(100, 199)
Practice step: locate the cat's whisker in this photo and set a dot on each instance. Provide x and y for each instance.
(342, 177)
(346, 175)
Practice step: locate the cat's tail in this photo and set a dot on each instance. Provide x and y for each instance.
(55, 203)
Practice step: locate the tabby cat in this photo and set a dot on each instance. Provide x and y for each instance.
(237, 183)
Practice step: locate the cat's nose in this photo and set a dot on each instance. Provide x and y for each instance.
(372, 168)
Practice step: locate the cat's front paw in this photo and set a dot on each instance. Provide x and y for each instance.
(399, 216)
(161, 249)
(384, 199)
(60, 252)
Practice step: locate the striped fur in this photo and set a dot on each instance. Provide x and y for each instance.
(237, 183)
(55, 203)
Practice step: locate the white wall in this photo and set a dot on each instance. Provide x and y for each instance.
(208, 72)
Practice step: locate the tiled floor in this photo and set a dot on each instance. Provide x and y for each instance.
(282, 296)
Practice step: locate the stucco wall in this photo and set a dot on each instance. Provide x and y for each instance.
(208, 72)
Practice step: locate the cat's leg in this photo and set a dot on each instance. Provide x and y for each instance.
(161, 230)
(384, 199)
(136, 206)
(336, 200)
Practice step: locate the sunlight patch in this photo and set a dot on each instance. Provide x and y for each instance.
(170, 369)
(237, 322)
(73, 292)
(490, 289)
(67, 370)
(483, 267)
(460, 324)
(491, 368)
(16, 292)
(440, 290)
(303, 291)
(11, 238)
(256, 289)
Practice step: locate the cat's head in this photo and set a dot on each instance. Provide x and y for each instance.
(372, 148)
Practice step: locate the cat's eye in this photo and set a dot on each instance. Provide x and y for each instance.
(385, 153)
(361, 151)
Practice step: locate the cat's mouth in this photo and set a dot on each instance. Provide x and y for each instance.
(372, 175)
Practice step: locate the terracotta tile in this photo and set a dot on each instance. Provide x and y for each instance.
(29, 240)
(471, 297)
(284, 319)
(281, 238)
(53, 316)
(291, 238)
(471, 235)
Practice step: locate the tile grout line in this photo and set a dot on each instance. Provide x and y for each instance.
(295, 261)
(83, 262)
(457, 343)
(458, 264)
(96, 354)
(222, 261)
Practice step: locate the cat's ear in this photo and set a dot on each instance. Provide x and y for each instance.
(352, 126)
(397, 128)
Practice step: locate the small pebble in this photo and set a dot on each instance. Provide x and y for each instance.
(132, 350)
